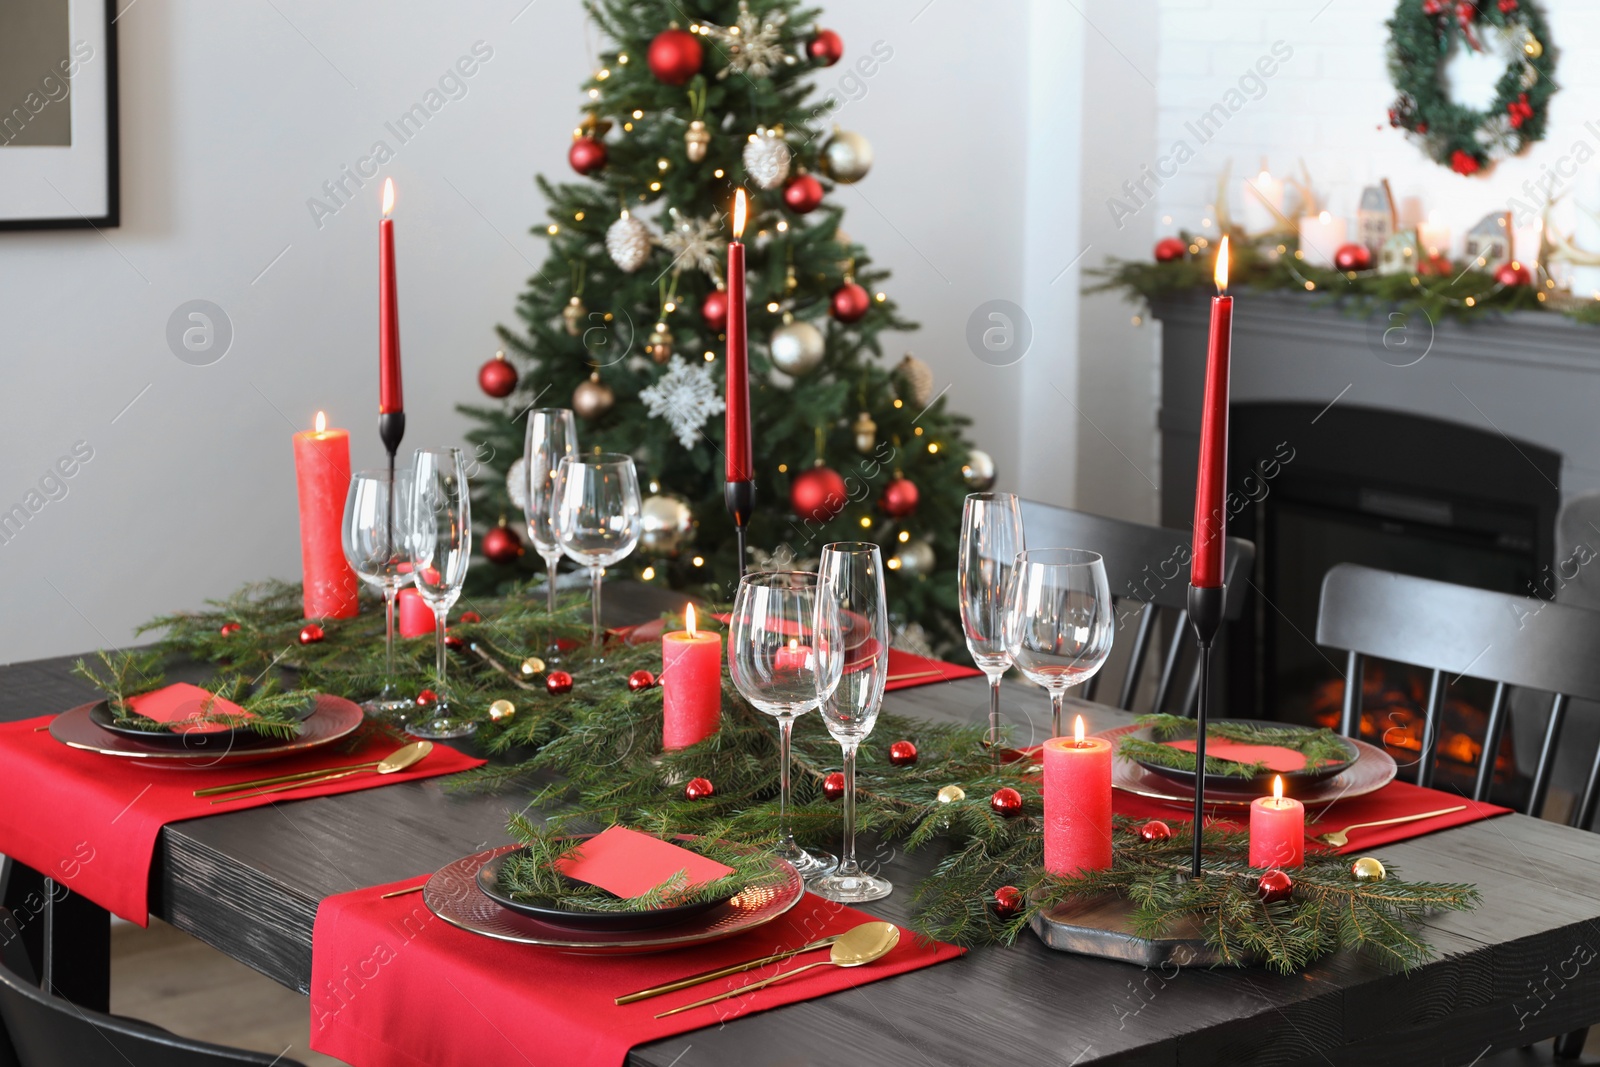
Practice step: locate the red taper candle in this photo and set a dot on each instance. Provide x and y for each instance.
(1211, 486)
(390, 398)
(1077, 803)
(322, 476)
(740, 465)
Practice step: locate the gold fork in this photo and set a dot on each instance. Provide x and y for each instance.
(1341, 838)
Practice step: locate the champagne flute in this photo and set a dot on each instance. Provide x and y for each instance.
(597, 515)
(852, 641)
(376, 512)
(552, 436)
(441, 545)
(773, 664)
(991, 537)
(1058, 622)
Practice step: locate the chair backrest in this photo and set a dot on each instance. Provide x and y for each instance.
(1147, 568)
(47, 1031)
(1457, 631)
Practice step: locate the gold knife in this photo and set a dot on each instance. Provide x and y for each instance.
(239, 787)
(723, 972)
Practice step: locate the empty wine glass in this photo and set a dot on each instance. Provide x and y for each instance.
(852, 642)
(773, 664)
(597, 514)
(376, 512)
(552, 436)
(991, 537)
(1058, 622)
(441, 544)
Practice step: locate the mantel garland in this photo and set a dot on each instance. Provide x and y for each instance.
(592, 758)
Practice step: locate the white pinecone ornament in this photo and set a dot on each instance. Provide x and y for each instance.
(628, 243)
(766, 158)
(918, 379)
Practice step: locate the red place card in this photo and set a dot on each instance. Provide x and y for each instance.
(1276, 757)
(628, 863)
(180, 702)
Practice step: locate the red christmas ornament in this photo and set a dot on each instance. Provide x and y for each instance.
(229, 629)
(1432, 7)
(1006, 801)
(640, 680)
(1464, 163)
(1155, 830)
(501, 545)
(1169, 249)
(426, 697)
(802, 194)
(902, 753)
(818, 494)
(1513, 274)
(850, 302)
(1353, 257)
(310, 634)
(826, 47)
(1007, 901)
(714, 309)
(586, 155)
(899, 497)
(1519, 111)
(558, 682)
(1508, 6)
(453, 641)
(497, 377)
(699, 789)
(471, 616)
(1274, 886)
(675, 56)
(833, 785)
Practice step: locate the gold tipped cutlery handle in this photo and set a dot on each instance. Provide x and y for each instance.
(723, 972)
(742, 990)
(218, 790)
(287, 786)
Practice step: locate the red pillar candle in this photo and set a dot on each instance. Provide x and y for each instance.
(1211, 486)
(740, 464)
(322, 474)
(691, 685)
(390, 398)
(1277, 829)
(1077, 803)
(416, 617)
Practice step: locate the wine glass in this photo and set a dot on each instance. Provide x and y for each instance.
(376, 512)
(597, 514)
(991, 537)
(441, 544)
(552, 436)
(1058, 620)
(773, 664)
(852, 642)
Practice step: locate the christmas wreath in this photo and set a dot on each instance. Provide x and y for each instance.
(1422, 36)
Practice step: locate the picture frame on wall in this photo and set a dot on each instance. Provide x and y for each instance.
(58, 114)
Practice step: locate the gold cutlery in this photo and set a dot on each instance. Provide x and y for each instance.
(217, 790)
(403, 892)
(858, 945)
(914, 674)
(397, 760)
(723, 972)
(1341, 838)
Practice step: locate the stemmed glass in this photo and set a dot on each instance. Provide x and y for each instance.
(773, 664)
(375, 546)
(552, 436)
(596, 513)
(991, 537)
(852, 642)
(1058, 620)
(441, 544)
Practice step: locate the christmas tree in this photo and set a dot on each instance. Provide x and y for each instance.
(624, 320)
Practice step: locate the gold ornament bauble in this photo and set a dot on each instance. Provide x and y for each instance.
(978, 471)
(1368, 869)
(1531, 47)
(796, 347)
(918, 379)
(866, 432)
(695, 140)
(914, 558)
(665, 523)
(952, 793)
(533, 665)
(659, 343)
(846, 157)
(572, 316)
(593, 397)
(628, 243)
(766, 158)
(502, 711)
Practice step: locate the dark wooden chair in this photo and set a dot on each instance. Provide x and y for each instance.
(41, 1030)
(1148, 571)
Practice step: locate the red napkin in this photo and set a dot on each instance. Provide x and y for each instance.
(90, 821)
(375, 961)
(926, 671)
(1276, 757)
(628, 863)
(177, 703)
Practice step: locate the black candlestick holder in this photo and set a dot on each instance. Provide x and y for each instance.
(741, 500)
(1205, 616)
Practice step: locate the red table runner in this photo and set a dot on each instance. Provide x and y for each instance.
(394, 986)
(907, 671)
(90, 821)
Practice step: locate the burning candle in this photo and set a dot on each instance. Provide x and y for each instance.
(691, 685)
(322, 475)
(1277, 829)
(1263, 202)
(1211, 484)
(1320, 238)
(1434, 237)
(390, 398)
(740, 465)
(1077, 803)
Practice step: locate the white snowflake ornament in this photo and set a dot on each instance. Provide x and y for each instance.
(695, 243)
(752, 45)
(686, 396)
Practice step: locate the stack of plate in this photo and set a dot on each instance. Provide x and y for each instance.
(93, 728)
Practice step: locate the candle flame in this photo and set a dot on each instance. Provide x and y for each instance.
(388, 196)
(1077, 730)
(1222, 266)
(1277, 789)
(688, 620)
(1324, 218)
(322, 421)
(738, 214)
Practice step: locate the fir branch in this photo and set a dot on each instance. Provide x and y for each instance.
(1322, 748)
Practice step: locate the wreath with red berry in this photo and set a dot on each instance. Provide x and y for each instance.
(1423, 34)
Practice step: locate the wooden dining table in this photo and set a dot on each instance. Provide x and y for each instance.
(1523, 966)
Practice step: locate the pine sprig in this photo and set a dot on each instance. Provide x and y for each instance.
(268, 709)
(1321, 748)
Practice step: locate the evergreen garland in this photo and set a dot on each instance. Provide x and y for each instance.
(269, 710)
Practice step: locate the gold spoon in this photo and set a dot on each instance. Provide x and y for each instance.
(398, 760)
(858, 945)
(256, 783)
(1341, 838)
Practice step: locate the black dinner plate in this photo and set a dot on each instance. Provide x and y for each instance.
(1235, 782)
(489, 884)
(232, 737)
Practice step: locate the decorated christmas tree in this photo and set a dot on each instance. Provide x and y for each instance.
(624, 321)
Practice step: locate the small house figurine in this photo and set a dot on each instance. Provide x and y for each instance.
(1375, 222)
(1400, 254)
(1489, 242)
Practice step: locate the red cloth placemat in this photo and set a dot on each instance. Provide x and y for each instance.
(90, 821)
(392, 985)
(926, 671)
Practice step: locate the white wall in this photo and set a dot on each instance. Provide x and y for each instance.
(235, 114)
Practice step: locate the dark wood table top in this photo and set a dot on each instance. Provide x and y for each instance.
(1520, 968)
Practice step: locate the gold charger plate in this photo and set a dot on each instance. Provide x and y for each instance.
(333, 719)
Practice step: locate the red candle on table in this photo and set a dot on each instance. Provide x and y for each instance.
(1277, 829)
(1077, 803)
(322, 474)
(1211, 486)
(390, 398)
(691, 685)
(740, 465)
(414, 615)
